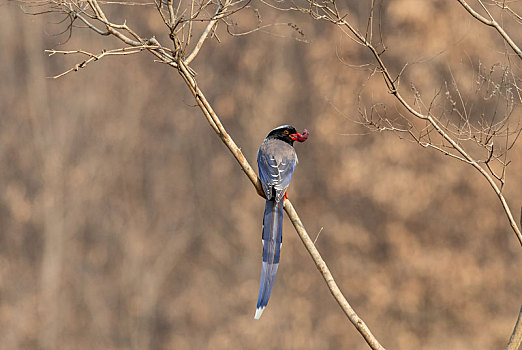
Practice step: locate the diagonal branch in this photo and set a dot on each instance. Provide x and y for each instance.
(492, 23)
(318, 11)
(330, 281)
(205, 33)
(516, 337)
(331, 14)
(215, 123)
(290, 211)
(176, 61)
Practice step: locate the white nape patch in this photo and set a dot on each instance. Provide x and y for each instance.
(282, 127)
(259, 312)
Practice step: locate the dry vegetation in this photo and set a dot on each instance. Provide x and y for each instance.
(125, 223)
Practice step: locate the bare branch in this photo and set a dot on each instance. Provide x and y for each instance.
(292, 214)
(332, 15)
(516, 337)
(205, 33)
(94, 57)
(503, 6)
(491, 23)
(330, 281)
(433, 132)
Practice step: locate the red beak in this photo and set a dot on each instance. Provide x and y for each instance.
(300, 137)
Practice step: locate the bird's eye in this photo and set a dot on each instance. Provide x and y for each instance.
(286, 132)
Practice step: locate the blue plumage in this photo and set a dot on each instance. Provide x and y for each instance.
(272, 241)
(276, 160)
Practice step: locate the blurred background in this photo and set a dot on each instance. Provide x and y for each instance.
(126, 224)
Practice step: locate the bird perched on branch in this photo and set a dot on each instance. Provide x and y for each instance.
(276, 160)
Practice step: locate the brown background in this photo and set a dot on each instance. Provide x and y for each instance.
(125, 223)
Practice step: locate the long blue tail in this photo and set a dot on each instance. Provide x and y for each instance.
(272, 240)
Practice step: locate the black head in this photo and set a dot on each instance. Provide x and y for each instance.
(288, 134)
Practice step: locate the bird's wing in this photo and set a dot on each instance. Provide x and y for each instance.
(275, 172)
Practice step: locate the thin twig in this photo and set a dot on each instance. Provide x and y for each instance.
(93, 57)
(204, 35)
(318, 233)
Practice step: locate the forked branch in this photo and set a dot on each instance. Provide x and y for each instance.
(491, 22)
(95, 18)
(328, 11)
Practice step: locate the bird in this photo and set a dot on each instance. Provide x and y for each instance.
(276, 161)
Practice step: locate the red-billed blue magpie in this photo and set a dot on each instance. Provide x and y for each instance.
(276, 160)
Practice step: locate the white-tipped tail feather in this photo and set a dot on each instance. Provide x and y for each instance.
(259, 312)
